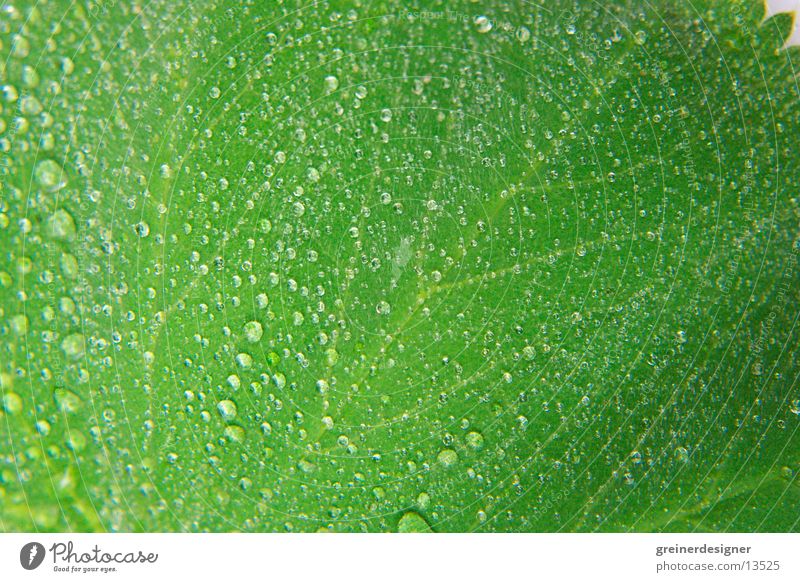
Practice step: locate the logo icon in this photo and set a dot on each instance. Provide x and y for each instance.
(31, 555)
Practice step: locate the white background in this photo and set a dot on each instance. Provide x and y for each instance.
(445, 557)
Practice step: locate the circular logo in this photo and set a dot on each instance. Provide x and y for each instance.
(31, 555)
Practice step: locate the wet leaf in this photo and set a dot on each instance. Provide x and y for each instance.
(387, 267)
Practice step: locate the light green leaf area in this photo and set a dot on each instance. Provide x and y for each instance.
(372, 266)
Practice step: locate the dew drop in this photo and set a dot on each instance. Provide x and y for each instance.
(234, 433)
(244, 360)
(66, 400)
(331, 83)
(682, 455)
(73, 346)
(49, 175)
(227, 410)
(447, 457)
(142, 229)
(423, 500)
(484, 24)
(253, 331)
(475, 440)
(12, 403)
(60, 225)
(19, 324)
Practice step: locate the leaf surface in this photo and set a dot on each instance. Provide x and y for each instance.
(382, 267)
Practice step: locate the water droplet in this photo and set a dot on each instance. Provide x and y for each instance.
(253, 331)
(142, 229)
(20, 46)
(227, 410)
(475, 440)
(30, 105)
(447, 457)
(331, 84)
(30, 78)
(76, 441)
(234, 433)
(423, 500)
(69, 266)
(306, 466)
(12, 403)
(331, 356)
(73, 346)
(244, 360)
(60, 225)
(66, 400)
(19, 324)
(49, 175)
(484, 24)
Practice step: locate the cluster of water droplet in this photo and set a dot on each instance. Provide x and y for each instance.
(289, 270)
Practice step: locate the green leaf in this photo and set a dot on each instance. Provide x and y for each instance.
(386, 267)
